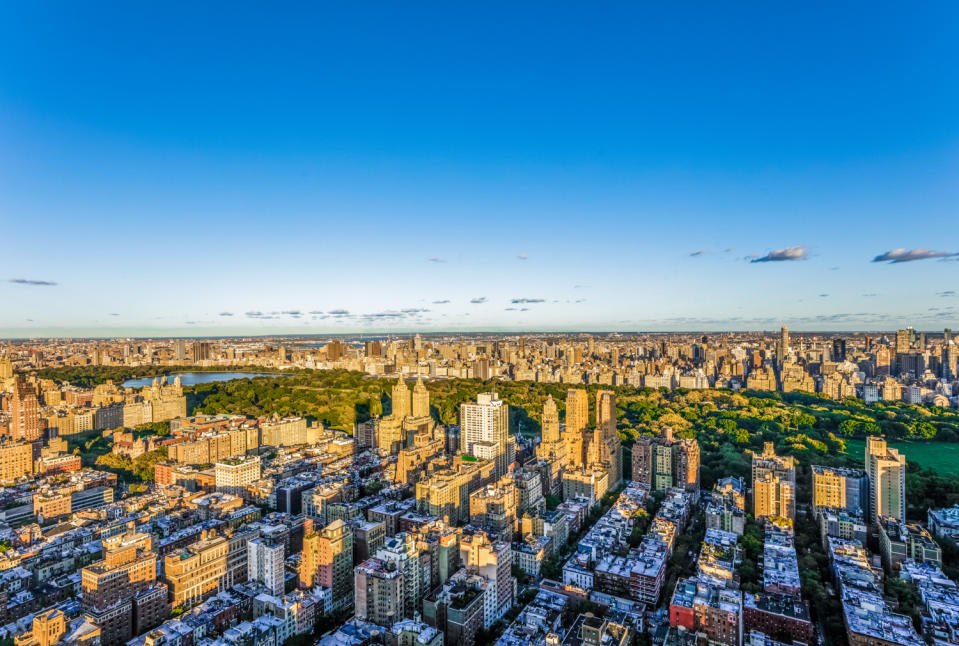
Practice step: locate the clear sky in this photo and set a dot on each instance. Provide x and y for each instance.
(178, 168)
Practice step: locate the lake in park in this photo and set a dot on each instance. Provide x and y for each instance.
(194, 378)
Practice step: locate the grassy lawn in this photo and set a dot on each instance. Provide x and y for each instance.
(941, 456)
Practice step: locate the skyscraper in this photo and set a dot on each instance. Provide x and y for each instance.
(949, 355)
(839, 350)
(902, 341)
(484, 430)
(838, 488)
(774, 484)
(265, 559)
(327, 560)
(664, 462)
(25, 422)
(550, 421)
(421, 399)
(494, 561)
(606, 413)
(201, 351)
(481, 368)
(782, 348)
(887, 480)
(334, 350)
(784, 467)
(577, 410)
(610, 448)
(401, 399)
(179, 350)
(773, 496)
(400, 553)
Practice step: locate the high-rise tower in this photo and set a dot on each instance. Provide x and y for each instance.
(421, 399)
(550, 421)
(887, 480)
(606, 413)
(401, 399)
(782, 348)
(25, 423)
(484, 430)
(577, 410)
(327, 560)
(774, 484)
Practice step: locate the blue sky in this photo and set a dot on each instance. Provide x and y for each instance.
(176, 169)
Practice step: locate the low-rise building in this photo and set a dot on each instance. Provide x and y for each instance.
(944, 523)
(530, 554)
(899, 541)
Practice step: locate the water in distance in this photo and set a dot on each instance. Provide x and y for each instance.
(194, 378)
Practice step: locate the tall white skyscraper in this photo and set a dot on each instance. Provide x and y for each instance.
(887, 480)
(265, 564)
(179, 350)
(484, 430)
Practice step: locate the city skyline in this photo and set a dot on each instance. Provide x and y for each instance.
(394, 176)
(432, 324)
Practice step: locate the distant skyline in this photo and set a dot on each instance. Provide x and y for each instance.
(185, 170)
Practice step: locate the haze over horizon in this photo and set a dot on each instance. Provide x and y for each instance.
(184, 171)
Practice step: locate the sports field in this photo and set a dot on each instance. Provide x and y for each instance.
(941, 456)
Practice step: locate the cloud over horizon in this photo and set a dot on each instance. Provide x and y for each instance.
(33, 283)
(780, 255)
(896, 256)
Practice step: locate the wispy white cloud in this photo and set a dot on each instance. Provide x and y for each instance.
(896, 256)
(32, 283)
(780, 255)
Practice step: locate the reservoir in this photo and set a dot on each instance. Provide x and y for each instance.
(194, 378)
